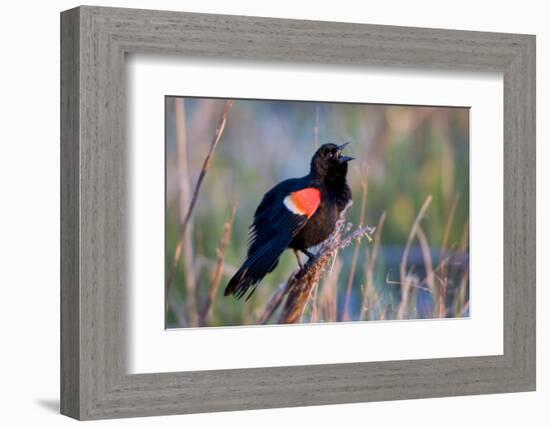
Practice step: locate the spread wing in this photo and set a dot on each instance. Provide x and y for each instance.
(277, 220)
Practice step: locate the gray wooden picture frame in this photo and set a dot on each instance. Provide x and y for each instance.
(94, 41)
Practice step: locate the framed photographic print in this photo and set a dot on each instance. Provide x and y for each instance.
(431, 141)
(261, 213)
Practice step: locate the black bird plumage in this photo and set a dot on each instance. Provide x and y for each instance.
(298, 213)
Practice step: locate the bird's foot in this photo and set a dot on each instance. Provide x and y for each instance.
(308, 253)
(298, 259)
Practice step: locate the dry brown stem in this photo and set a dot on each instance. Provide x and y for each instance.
(346, 315)
(273, 303)
(314, 308)
(328, 301)
(218, 270)
(369, 291)
(406, 280)
(204, 169)
(302, 282)
(184, 198)
(427, 256)
(443, 264)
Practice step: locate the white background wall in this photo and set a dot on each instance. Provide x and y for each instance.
(29, 213)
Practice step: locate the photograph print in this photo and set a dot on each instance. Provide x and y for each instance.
(298, 212)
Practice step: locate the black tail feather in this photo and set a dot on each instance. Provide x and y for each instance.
(257, 265)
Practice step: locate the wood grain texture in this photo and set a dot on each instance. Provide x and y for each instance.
(70, 264)
(94, 270)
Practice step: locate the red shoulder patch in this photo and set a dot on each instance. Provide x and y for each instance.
(304, 202)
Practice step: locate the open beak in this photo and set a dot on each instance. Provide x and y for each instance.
(344, 159)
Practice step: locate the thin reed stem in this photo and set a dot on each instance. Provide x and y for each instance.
(328, 301)
(441, 310)
(314, 318)
(449, 224)
(427, 257)
(184, 198)
(405, 279)
(346, 316)
(369, 291)
(218, 270)
(204, 169)
(273, 303)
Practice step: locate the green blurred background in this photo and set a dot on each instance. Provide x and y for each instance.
(403, 155)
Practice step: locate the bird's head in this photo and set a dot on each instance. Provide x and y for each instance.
(329, 163)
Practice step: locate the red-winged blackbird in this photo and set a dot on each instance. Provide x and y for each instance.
(298, 213)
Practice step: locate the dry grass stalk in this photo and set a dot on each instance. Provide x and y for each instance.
(442, 298)
(328, 301)
(205, 262)
(414, 283)
(299, 289)
(465, 309)
(428, 266)
(218, 270)
(273, 303)
(427, 256)
(204, 169)
(448, 225)
(314, 318)
(346, 314)
(462, 294)
(179, 313)
(369, 293)
(184, 199)
(406, 280)
(466, 275)
(301, 284)
(441, 310)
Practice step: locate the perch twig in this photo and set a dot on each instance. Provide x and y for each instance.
(302, 282)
